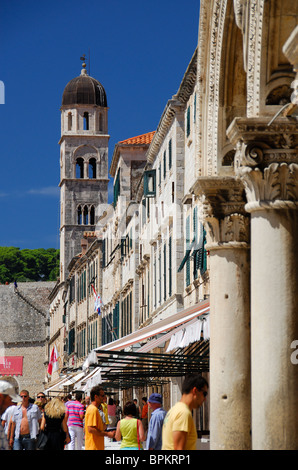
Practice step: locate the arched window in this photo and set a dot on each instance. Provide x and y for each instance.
(92, 215)
(79, 215)
(86, 121)
(86, 216)
(92, 168)
(69, 121)
(79, 168)
(100, 124)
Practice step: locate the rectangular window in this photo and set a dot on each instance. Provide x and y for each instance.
(170, 266)
(188, 122)
(116, 321)
(164, 165)
(195, 108)
(154, 278)
(195, 240)
(187, 239)
(71, 341)
(164, 272)
(159, 280)
(170, 153)
(150, 183)
(104, 253)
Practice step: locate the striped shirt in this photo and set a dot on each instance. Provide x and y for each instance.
(74, 410)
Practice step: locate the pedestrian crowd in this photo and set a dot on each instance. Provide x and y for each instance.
(75, 424)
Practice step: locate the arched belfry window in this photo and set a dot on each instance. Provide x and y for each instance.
(79, 219)
(92, 215)
(79, 168)
(86, 121)
(92, 168)
(100, 122)
(69, 121)
(86, 216)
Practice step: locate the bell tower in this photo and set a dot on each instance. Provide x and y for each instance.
(83, 162)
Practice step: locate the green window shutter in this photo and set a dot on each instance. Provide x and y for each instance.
(85, 285)
(170, 153)
(103, 252)
(130, 312)
(148, 296)
(71, 341)
(116, 321)
(159, 280)
(195, 108)
(154, 279)
(188, 249)
(150, 183)
(164, 165)
(164, 271)
(204, 263)
(117, 188)
(195, 240)
(170, 266)
(188, 121)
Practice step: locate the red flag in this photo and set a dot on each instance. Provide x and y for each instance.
(53, 364)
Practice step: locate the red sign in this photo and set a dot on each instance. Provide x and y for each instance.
(11, 365)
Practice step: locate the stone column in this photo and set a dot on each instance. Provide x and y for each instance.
(267, 162)
(227, 227)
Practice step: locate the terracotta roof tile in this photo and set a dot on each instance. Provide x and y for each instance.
(139, 139)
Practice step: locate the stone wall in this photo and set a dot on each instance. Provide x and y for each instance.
(23, 330)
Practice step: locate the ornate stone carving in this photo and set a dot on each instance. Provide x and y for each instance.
(274, 187)
(223, 202)
(242, 21)
(266, 160)
(232, 229)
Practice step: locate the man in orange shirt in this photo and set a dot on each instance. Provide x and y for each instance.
(94, 426)
(144, 414)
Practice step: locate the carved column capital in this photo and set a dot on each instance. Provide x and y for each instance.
(227, 223)
(266, 160)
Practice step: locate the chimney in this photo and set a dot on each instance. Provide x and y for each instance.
(84, 245)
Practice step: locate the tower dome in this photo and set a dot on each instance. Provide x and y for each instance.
(84, 90)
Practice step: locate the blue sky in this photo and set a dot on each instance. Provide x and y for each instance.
(139, 51)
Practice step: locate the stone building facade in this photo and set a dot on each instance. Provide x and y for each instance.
(245, 83)
(211, 213)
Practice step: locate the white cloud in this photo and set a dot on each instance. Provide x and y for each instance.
(46, 191)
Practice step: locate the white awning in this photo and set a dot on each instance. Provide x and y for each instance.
(158, 328)
(72, 380)
(57, 384)
(93, 379)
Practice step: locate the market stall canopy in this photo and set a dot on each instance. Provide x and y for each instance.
(187, 352)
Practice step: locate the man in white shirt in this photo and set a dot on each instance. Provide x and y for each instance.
(7, 394)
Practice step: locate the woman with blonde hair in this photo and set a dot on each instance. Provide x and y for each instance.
(54, 425)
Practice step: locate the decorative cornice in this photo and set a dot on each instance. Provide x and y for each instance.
(266, 160)
(227, 223)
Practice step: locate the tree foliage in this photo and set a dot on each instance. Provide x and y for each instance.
(28, 265)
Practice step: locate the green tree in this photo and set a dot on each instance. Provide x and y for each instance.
(28, 265)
